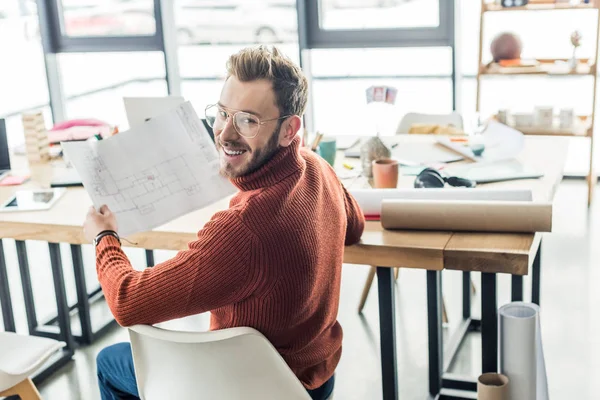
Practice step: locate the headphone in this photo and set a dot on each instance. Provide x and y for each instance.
(431, 178)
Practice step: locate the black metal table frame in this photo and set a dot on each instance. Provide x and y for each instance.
(64, 333)
(442, 384)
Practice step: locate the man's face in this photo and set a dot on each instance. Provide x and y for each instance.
(242, 155)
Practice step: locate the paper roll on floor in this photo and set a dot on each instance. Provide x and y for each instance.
(476, 216)
(521, 354)
(370, 200)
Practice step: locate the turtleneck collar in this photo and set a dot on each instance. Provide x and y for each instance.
(284, 163)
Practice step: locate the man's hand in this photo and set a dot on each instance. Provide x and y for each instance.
(98, 221)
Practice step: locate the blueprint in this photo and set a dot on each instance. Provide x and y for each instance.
(153, 173)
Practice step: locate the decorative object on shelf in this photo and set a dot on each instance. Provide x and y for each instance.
(373, 149)
(543, 117)
(506, 46)
(504, 116)
(514, 3)
(576, 42)
(566, 118)
(523, 120)
(37, 145)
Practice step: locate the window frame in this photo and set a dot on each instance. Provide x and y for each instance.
(319, 38)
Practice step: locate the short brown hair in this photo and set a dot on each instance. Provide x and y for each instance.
(288, 80)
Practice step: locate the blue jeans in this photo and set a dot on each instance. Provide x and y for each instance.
(116, 376)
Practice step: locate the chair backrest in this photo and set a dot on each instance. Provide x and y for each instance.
(236, 363)
(454, 119)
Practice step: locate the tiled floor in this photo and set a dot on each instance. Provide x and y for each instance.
(570, 326)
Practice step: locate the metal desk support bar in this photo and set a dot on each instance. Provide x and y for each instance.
(5, 299)
(26, 286)
(387, 331)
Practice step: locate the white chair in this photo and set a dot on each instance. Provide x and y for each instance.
(21, 356)
(228, 364)
(453, 119)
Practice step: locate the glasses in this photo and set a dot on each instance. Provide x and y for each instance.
(246, 124)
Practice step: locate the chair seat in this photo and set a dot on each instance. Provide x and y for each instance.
(21, 355)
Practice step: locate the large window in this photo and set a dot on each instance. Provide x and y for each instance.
(208, 32)
(95, 83)
(341, 78)
(23, 84)
(378, 14)
(107, 17)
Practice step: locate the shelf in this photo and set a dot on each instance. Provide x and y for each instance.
(577, 132)
(541, 7)
(581, 128)
(541, 69)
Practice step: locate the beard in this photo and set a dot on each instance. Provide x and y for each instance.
(259, 157)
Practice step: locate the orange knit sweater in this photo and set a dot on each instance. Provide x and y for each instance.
(272, 261)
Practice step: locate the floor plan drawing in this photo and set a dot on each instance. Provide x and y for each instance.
(152, 173)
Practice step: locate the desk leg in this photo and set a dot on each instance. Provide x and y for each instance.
(489, 323)
(83, 301)
(32, 322)
(516, 288)
(150, 258)
(434, 327)
(64, 321)
(8, 316)
(535, 283)
(466, 293)
(387, 330)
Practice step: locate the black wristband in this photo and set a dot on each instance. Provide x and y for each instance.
(106, 233)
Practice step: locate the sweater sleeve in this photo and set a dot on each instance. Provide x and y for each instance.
(217, 269)
(356, 219)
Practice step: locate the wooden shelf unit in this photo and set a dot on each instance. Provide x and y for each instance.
(557, 67)
(541, 7)
(548, 67)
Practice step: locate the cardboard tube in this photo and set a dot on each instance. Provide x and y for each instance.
(370, 200)
(476, 216)
(492, 386)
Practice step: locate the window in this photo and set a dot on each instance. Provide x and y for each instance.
(378, 23)
(107, 17)
(23, 84)
(102, 25)
(94, 84)
(208, 32)
(378, 14)
(341, 77)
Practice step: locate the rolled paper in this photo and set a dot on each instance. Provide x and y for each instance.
(476, 216)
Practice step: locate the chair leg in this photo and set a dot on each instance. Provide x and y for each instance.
(444, 313)
(365, 292)
(396, 273)
(25, 389)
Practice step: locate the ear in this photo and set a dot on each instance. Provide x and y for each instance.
(289, 129)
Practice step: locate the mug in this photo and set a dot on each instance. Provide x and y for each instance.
(385, 173)
(327, 149)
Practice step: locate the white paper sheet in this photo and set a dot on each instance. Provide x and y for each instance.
(370, 200)
(154, 172)
(140, 109)
(501, 143)
(521, 353)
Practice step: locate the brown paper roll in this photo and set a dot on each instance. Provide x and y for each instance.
(476, 216)
(492, 386)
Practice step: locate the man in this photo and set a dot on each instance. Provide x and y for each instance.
(271, 261)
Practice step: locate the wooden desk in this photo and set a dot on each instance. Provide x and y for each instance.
(433, 251)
